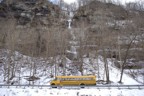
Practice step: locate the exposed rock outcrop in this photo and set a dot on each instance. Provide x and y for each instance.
(30, 25)
(105, 25)
(31, 11)
(97, 17)
(96, 10)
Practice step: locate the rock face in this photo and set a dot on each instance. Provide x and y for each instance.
(97, 10)
(97, 17)
(30, 26)
(105, 25)
(28, 11)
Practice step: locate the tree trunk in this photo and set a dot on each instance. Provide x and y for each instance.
(125, 58)
(106, 67)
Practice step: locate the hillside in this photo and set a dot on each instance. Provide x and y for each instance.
(27, 25)
(113, 29)
(38, 42)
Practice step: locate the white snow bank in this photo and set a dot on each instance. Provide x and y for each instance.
(66, 92)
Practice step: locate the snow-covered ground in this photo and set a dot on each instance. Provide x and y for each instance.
(67, 92)
(91, 66)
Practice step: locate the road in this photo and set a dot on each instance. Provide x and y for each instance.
(77, 87)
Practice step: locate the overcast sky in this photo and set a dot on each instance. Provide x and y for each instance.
(70, 1)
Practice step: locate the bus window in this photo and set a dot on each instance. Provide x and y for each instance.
(55, 79)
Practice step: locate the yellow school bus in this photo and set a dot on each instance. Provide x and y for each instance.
(73, 80)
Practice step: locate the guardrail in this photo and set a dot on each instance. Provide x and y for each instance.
(77, 87)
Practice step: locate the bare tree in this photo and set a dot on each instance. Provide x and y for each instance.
(125, 57)
(135, 5)
(11, 41)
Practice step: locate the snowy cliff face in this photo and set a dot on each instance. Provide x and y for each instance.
(28, 11)
(106, 25)
(96, 10)
(30, 23)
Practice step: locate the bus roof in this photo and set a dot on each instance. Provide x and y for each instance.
(90, 76)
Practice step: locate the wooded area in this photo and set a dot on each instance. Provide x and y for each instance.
(100, 29)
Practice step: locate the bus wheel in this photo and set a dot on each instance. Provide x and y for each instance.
(53, 85)
(82, 85)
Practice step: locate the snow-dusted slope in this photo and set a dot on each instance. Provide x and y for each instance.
(44, 73)
(44, 69)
